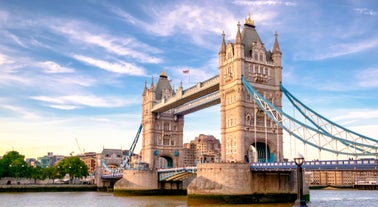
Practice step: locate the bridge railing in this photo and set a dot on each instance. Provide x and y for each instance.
(212, 81)
(366, 164)
(196, 103)
(169, 172)
(112, 176)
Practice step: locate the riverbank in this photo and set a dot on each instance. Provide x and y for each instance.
(358, 187)
(47, 188)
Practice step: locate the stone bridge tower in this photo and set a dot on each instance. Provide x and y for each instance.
(162, 132)
(247, 133)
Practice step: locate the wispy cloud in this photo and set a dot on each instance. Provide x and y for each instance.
(119, 67)
(366, 11)
(121, 46)
(4, 59)
(15, 39)
(265, 3)
(191, 20)
(354, 116)
(368, 77)
(25, 113)
(339, 49)
(79, 101)
(52, 67)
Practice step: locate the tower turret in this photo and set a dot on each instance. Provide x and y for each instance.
(222, 50)
(276, 51)
(277, 60)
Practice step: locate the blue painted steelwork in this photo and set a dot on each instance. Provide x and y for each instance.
(315, 118)
(292, 126)
(365, 164)
(169, 172)
(127, 158)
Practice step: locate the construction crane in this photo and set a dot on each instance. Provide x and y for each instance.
(78, 146)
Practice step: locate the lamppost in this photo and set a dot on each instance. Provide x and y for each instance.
(300, 202)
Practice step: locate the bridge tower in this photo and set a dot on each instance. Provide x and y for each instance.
(162, 132)
(246, 132)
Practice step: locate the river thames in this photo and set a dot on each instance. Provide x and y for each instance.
(319, 198)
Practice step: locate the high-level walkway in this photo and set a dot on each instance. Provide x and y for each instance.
(200, 96)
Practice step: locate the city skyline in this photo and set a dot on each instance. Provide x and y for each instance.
(76, 70)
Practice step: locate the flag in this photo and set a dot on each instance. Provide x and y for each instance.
(185, 71)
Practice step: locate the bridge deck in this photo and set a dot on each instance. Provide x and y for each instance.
(182, 173)
(199, 90)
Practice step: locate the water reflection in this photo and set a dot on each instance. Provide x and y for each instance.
(319, 198)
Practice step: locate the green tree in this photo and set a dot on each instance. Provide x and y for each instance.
(13, 164)
(37, 173)
(53, 173)
(74, 167)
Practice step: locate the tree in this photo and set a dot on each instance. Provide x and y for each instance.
(13, 165)
(74, 167)
(53, 173)
(37, 173)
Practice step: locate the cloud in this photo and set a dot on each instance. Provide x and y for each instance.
(27, 114)
(26, 71)
(13, 79)
(15, 39)
(265, 3)
(366, 11)
(339, 49)
(120, 67)
(77, 101)
(52, 67)
(3, 16)
(357, 116)
(190, 20)
(368, 77)
(121, 46)
(4, 59)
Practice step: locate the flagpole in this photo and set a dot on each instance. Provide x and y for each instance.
(187, 71)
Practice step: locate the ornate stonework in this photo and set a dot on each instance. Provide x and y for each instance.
(162, 132)
(243, 124)
(247, 134)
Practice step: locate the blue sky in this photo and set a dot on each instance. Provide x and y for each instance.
(76, 69)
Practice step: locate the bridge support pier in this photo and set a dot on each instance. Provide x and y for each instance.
(146, 182)
(137, 182)
(236, 183)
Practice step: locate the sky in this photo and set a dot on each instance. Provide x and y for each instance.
(72, 72)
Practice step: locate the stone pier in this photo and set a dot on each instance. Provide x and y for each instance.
(236, 183)
(137, 182)
(146, 182)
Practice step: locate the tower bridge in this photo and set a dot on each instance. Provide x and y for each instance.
(249, 91)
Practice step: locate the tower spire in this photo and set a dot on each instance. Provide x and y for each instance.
(276, 46)
(152, 82)
(222, 48)
(238, 35)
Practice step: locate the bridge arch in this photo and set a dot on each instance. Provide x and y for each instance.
(165, 161)
(263, 151)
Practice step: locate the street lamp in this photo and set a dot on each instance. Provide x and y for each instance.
(300, 202)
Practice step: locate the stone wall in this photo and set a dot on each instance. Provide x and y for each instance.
(236, 183)
(221, 179)
(137, 180)
(273, 182)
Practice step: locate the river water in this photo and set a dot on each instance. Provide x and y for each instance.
(319, 198)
